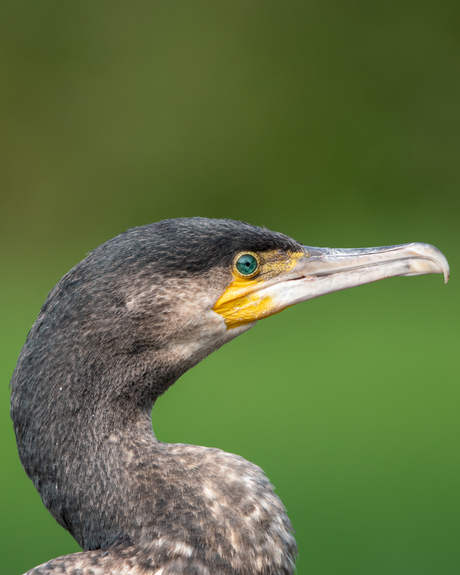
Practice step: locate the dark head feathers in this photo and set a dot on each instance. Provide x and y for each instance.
(176, 248)
(188, 245)
(86, 314)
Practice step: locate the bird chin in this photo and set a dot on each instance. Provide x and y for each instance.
(234, 330)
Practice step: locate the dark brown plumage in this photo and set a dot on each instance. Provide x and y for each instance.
(112, 336)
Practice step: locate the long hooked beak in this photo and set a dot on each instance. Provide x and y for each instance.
(324, 270)
(317, 271)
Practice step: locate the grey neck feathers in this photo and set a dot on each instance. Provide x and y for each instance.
(105, 477)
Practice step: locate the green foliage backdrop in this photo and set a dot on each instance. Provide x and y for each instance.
(335, 122)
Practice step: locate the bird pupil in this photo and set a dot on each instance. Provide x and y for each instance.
(246, 264)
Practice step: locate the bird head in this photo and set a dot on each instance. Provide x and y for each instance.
(146, 306)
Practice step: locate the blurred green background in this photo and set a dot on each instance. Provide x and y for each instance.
(335, 122)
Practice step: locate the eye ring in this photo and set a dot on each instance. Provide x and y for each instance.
(248, 263)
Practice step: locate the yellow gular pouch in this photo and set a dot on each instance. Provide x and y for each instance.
(242, 302)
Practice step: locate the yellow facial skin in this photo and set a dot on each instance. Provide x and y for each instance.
(242, 302)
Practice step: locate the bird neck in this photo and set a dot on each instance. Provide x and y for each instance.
(81, 406)
(83, 428)
(105, 477)
(117, 482)
(86, 473)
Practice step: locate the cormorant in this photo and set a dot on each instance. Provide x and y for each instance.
(116, 331)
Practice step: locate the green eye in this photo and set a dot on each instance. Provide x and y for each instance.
(247, 265)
